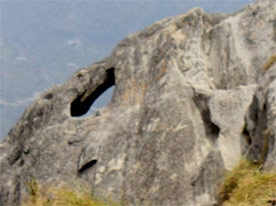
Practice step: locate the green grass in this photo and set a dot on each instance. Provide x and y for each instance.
(61, 196)
(247, 185)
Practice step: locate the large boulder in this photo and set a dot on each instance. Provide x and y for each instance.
(192, 96)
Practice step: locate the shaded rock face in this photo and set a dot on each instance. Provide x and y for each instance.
(191, 98)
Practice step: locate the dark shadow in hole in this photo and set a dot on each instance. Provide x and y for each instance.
(49, 96)
(246, 134)
(264, 107)
(87, 166)
(80, 107)
(212, 130)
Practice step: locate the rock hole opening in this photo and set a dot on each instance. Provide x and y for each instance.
(214, 129)
(264, 107)
(49, 96)
(246, 134)
(87, 166)
(211, 129)
(100, 97)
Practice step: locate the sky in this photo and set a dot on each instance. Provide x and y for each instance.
(43, 42)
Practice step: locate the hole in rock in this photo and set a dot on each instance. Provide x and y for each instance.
(212, 130)
(49, 96)
(246, 134)
(264, 107)
(87, 166)
(100, 97)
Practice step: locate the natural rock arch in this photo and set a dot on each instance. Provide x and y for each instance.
(81, 105)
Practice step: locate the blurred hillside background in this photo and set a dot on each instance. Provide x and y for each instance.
(43, 42)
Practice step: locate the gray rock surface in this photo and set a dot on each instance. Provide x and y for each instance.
(191, 98)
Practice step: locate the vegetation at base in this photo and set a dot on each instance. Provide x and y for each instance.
(247, 185)
(61, 196)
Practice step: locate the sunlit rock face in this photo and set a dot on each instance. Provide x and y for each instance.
(191, 98)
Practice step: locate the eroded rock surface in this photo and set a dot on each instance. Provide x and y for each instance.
(191, 97)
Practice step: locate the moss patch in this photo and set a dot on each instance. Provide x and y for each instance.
(247, 185)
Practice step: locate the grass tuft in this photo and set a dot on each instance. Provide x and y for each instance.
(247, 185)
(61, 196)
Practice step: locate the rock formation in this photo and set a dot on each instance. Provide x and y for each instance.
(191, 98)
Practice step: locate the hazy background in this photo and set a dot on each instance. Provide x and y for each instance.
(43, 42)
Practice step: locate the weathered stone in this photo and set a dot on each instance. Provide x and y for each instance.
(191, 97)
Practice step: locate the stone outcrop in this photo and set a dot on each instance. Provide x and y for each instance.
(191, 98)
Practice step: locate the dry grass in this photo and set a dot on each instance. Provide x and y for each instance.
(61, 196)
(246, 185)
(271, 61)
